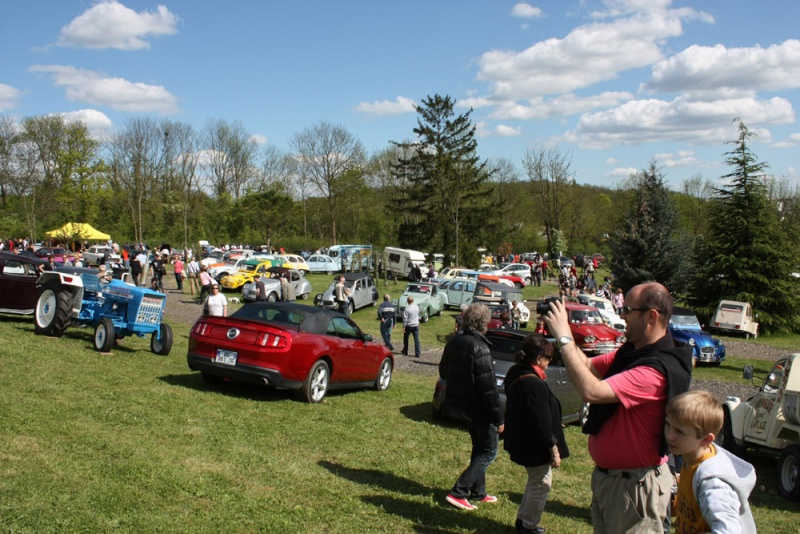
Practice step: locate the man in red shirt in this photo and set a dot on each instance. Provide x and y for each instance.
(628, 390)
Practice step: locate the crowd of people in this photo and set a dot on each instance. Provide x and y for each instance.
(641, 414)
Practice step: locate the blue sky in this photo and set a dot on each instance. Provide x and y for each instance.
(615, 83)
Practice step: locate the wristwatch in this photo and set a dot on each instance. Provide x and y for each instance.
(564, 340)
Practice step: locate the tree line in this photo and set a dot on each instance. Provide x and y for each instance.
(157, 181)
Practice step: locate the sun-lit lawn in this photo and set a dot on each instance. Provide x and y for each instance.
(135, 442)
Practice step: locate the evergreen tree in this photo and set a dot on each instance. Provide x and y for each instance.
(446, 202)
(745, 257)
(645, 246)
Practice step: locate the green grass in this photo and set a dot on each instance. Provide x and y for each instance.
(134, 442)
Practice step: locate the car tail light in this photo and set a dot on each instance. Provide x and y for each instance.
(271, 340)
(201, 328)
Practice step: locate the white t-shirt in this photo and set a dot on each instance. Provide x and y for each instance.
(216, 305)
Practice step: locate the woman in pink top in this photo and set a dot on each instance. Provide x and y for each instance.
(178, 265)
(618, 300)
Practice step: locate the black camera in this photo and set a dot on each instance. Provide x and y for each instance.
(544, 307)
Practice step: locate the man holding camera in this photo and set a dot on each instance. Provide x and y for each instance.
(628, 390)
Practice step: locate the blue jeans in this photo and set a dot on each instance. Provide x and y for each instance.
(386, 333)
(414, 330)
(472, 482)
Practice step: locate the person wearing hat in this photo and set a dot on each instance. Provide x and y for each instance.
(216, 303)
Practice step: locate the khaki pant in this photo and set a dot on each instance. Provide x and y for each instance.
(631, 500)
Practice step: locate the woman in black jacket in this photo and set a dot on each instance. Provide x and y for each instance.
(534, 436)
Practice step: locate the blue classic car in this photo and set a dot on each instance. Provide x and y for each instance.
(684, 327)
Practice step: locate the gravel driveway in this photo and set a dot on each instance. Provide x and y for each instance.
(185, 308)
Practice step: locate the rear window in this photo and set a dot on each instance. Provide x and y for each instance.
(262, 314)
(731, 307)
(505, 348)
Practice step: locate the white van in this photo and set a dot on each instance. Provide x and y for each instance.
(357, 258)
(734, 317)
(398, 261)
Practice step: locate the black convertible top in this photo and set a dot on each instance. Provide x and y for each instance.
(305, 318)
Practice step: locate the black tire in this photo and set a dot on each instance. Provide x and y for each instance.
(527, 280)
(315, 386)
(304, 296)
(425, 316)
(104, 335)
(725, 438)
(351, 307)
(164, 345)
(440, 312)
(518, 285)
(384, 377)
(788, 465)
(328, 273)
(53, 310)
(272, 297)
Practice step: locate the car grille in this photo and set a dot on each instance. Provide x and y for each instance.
(602, 348)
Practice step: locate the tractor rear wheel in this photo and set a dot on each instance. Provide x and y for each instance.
(163, 345)
(104, 336)
(53, 310)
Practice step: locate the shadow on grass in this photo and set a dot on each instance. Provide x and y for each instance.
(436, 518)
(423, 413)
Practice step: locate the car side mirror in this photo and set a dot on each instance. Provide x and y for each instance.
(747, 372)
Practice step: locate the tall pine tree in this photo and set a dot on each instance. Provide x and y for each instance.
(744, 257)
(645, 246)
(446, 204)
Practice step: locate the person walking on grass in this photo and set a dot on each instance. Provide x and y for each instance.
(472, 396)
(411, 326)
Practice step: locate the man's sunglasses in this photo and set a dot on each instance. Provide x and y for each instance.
(627, 309)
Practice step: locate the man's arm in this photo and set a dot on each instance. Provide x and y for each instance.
(584, 377)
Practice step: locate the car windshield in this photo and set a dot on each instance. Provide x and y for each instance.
(505, 348)
(731, 307)
(250, 268)
(418, 289)
(684, 320)
(585, 316)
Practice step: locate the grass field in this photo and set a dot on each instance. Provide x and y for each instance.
(134, 442)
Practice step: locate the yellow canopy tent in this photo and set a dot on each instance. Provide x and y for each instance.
(71, 231)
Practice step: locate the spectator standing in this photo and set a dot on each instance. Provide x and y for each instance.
(193, 272)
(206, 281)
(411, 326)
(516, 315)
(714, 485)
(179, 272)
(287, 289)
(126, 258)
(342, 295)
(261, 289)
(141, 260)
(534, 436)
(628, 390)
(618, 300)
(216, 302)
(459, 327)
(472, 396)
(388, 317)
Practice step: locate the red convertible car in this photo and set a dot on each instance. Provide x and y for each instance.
(289, 346)
(589, 330)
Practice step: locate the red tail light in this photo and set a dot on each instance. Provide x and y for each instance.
(271, 340)
(201, 328)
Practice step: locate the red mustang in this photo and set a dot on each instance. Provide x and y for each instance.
(589, 330)
(289, 346)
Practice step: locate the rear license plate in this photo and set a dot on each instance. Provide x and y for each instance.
(227, 357)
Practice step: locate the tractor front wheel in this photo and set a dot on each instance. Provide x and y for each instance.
(161, 342)
(104, 336)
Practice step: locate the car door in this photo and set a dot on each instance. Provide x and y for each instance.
(559, 381)
(18, 285)
(356, 360)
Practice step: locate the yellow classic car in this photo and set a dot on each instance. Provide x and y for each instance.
(245, 273)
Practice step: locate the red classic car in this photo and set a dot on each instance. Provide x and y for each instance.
(589, 330)
(289, 346)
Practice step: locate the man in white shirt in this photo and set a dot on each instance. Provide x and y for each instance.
(411, 326)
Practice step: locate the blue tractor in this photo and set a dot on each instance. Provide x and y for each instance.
(115, 308)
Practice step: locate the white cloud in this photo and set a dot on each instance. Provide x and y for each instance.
(258, 139)
(8, 97)
(792, 141)
(501, 130)
(709, 72)
(683, 158)
(589, 54)
(652, 120)
(96, 121)
(621, 172)
(541, 108)
(400, 106)
(109, 24)
(613, 161)
(526, 11)
(83, 85)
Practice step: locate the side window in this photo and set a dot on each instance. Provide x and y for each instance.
(14, 267)
(346, 329)
(457, 286)
(331, 330)
(394, 258)
(471, 287)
